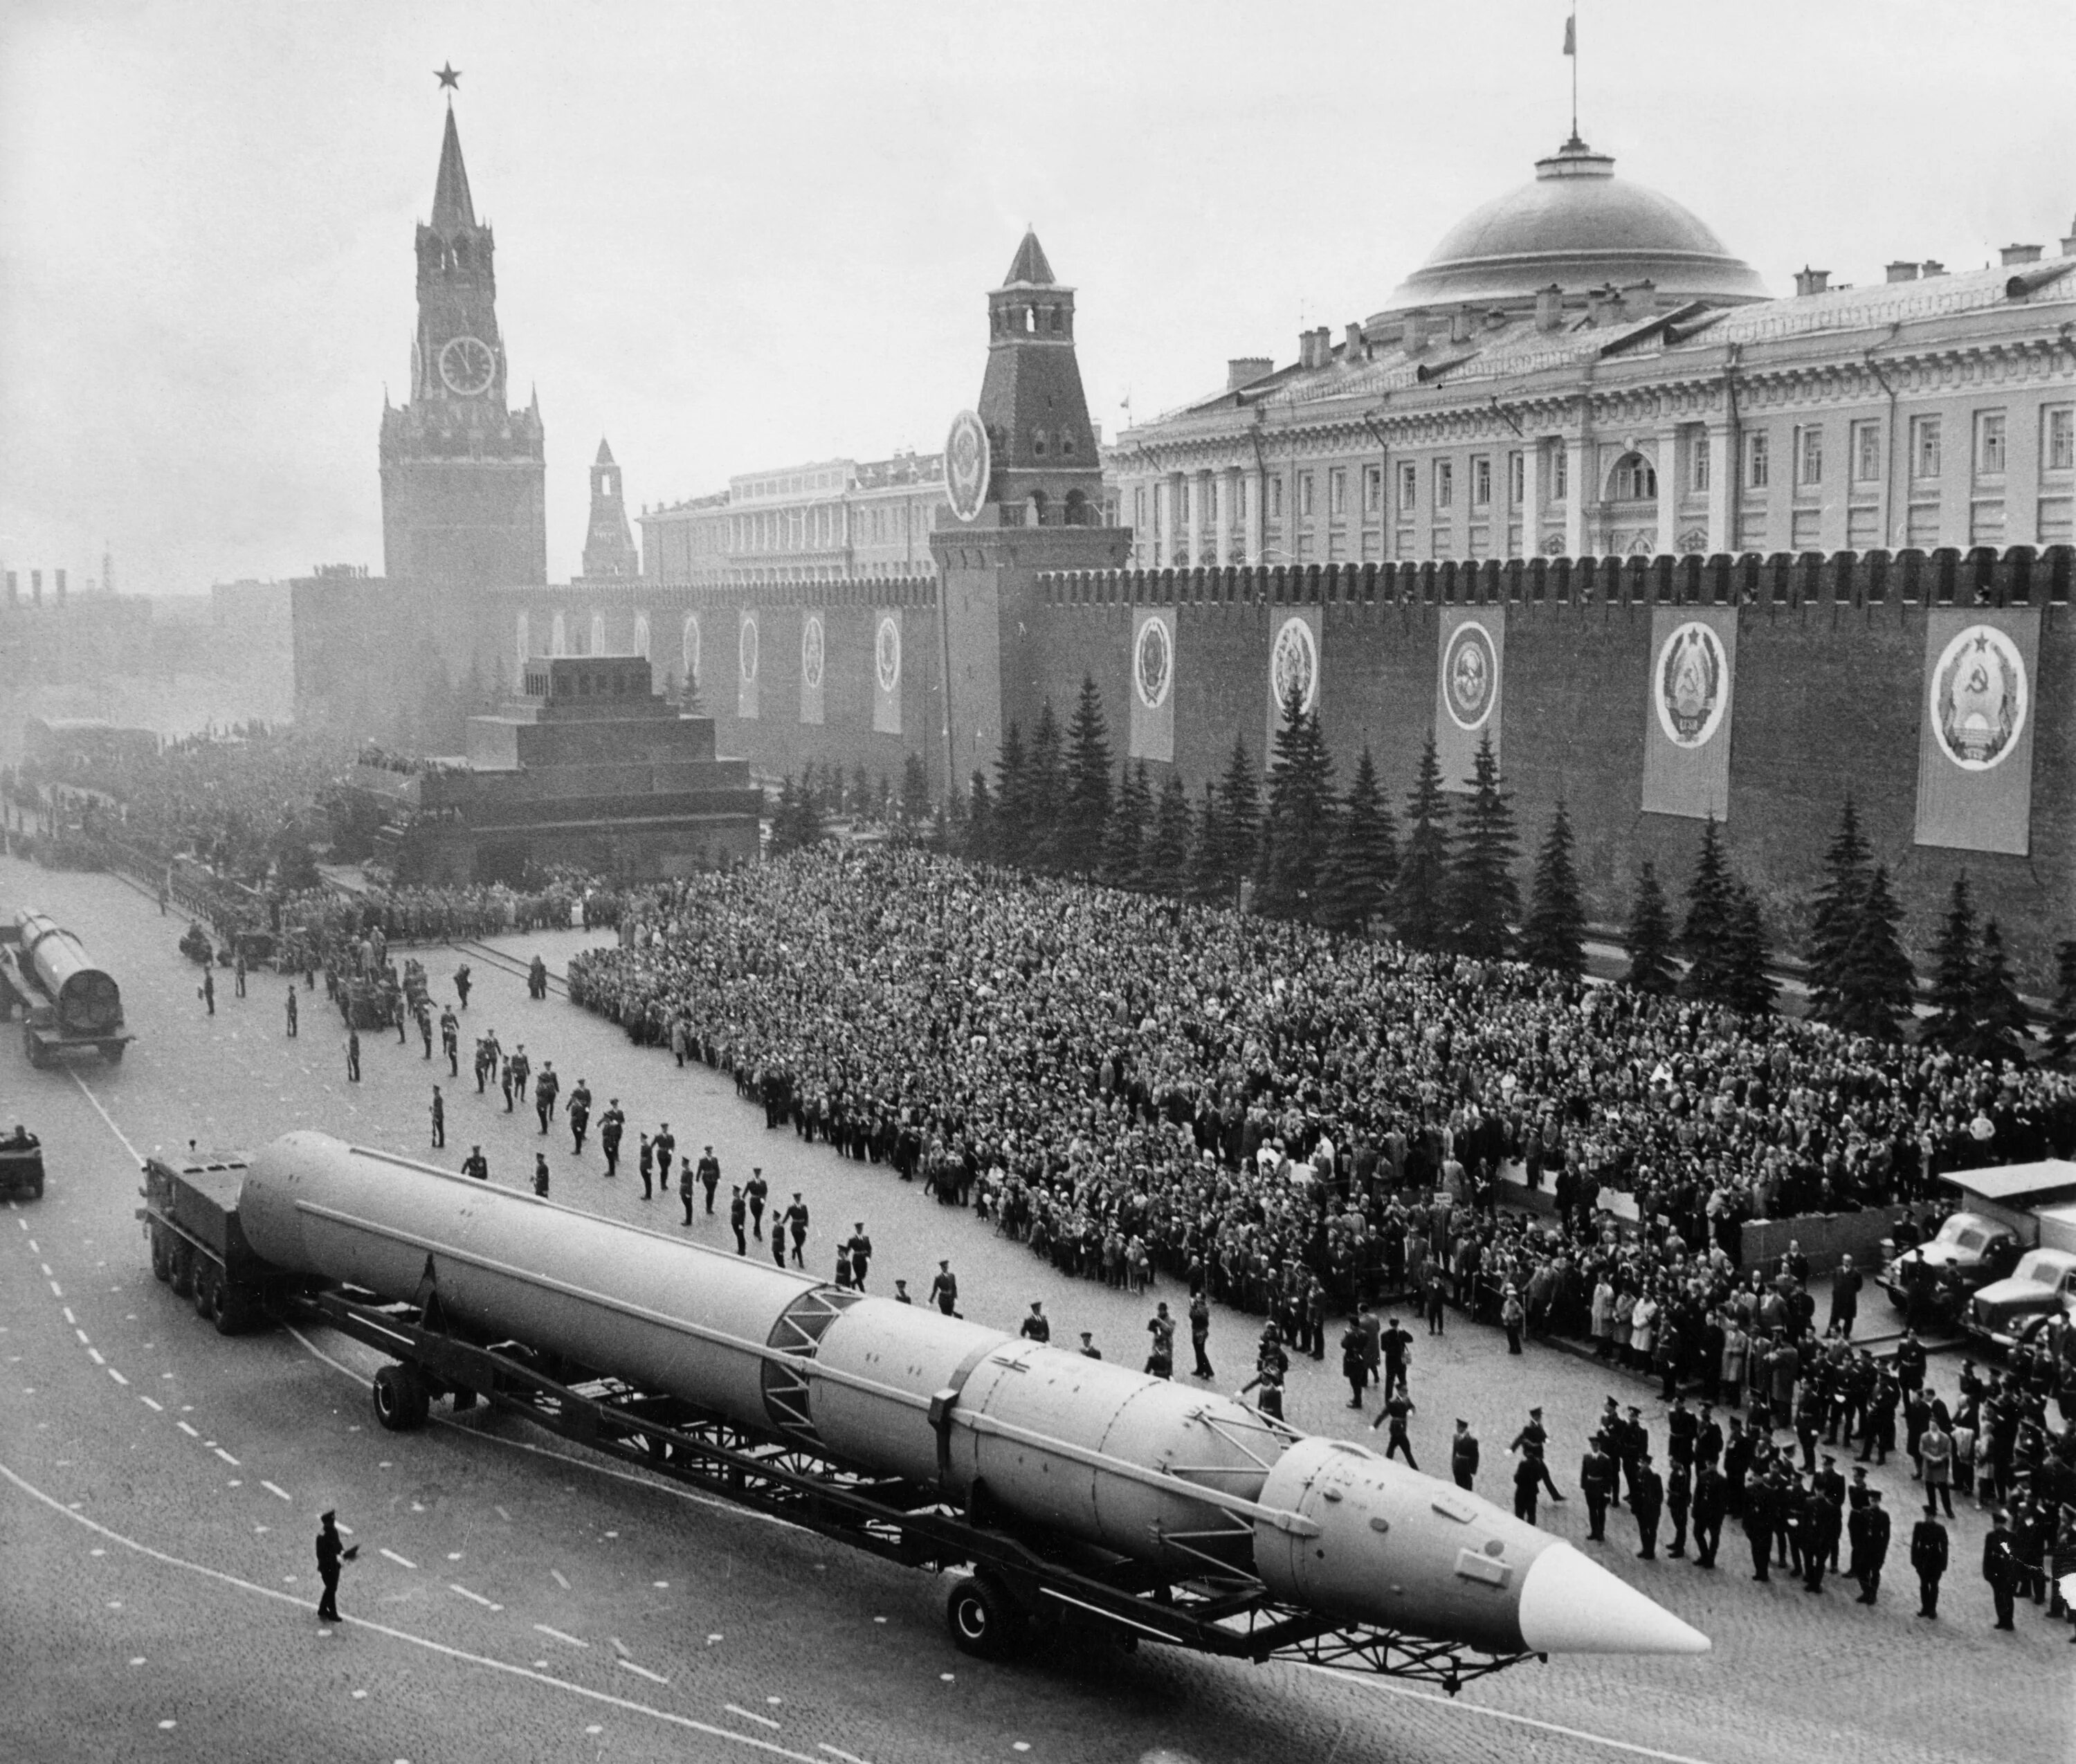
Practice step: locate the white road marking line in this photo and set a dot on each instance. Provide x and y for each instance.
(655, 1677)
(118, 1376)
(768, 1747)
(848, 1757)
(575, 1641)
(94, 1354)
(185, 1428)
(156, 1407)
(1507, 1715)
(401, 1562)
(46, 1267)
(69, 1318)
(84, 1341)
(502, 1514)
(105, 1115)
(56, 1290)
(559, 1580)
(748, 1715)
(619, 1646)
(274, 1488)
(226, 1457)
(488, 1605)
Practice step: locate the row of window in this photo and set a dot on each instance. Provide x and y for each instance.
(1927, 443)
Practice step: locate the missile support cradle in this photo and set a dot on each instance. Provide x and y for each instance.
(1072, 1492)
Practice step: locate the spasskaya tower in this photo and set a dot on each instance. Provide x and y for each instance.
(462, 473)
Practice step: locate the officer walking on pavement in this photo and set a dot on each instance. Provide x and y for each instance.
(860, 1246)
(1463, 1454)
(330, 1554)
(737, 1212)
(353, 1057)
(292, 1011)
(1200, 1334)
(709, 1177)
(1596, 1482)
(579, 1117)
(476, 1164)
(439, 1119)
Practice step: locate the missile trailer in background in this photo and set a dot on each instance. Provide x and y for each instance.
(67, 1002)
(1069, 1490)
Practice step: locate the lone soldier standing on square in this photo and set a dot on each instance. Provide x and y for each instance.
(1646, 1501)
(1596, 1482)
(1200, 1333)
(737, 1211)
(1463, 1454)
(1928, 1558)
(944, 1290)
(330, 1554)
(353, 1056)
(439, 1119)
(292, 1011)
(476, 1164)
(451, 1040)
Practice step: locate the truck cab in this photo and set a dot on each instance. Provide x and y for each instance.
(198, 1248)
(1982, 1249)
(2042, 1287)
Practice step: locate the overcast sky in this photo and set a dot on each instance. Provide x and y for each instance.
(735, 237)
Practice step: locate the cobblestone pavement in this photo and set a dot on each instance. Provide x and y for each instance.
(517, 1599)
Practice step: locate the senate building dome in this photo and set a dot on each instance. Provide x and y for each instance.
(1581, 227)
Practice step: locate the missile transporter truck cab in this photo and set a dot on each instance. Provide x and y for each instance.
(198, 1245)
(67, 1002)
(1981, 1249)
(2019, 1308)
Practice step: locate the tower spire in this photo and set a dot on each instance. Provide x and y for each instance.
(452, 211)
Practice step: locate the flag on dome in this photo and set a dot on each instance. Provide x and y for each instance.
(1974, 742)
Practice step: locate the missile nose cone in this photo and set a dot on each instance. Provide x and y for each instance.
(1572, 1605)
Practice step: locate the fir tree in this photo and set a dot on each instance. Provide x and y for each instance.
(1363, 863)
(1087, 803)
(784, 838)
(1011, 843)
(1166, 869)
(1953, 961)
(1208, 885)
(953, 834)
(914, 793)
(1240, 820)
(1711, 905)
(688, 699)
(859, 801)
(2000, 1025)
(1876, 986)
(1834, 918)
(2061, 1049)
(1048, 773)
(1124, 843)
(1299, 824)
(1556, 934)
(1747, 985)
(1650, 935)
(1484, 899)
(1419, 909)
(980, 822)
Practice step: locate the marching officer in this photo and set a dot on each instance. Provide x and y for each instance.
(2000, 1567)
(1596, 1482)
(451, 1040)
(292, 1011)
(944, 1290)
(476, 1164)
(1646, 1500)
(754, 1190)
(439, 1119)
(666, 1148)
(1928, 1558)
(541, 1174)
(462, 984)
(579, 1116)
(709, 1174)
(1200, 1333)
(545, 1089)
(610, 1125)
(1711, 1502)
(646, 1162)
(1868, 1527)
(1463, 1454)
(796, 1222)
(737, 1211)
(353, 1056)
(860, 1254)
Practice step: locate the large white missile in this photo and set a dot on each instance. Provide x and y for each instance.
(1152, 1469)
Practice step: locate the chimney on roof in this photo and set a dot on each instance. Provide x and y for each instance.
(1549, 307)
(1244, 369)
(1413, 337)
(1353, 349)
(1902, 272)
(1460, 325)
(2021, 254)
(1641, 297)
(1811, 281)
(1304, 349)
(1933, 266)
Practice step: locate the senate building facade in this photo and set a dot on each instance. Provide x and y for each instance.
(1582, 368)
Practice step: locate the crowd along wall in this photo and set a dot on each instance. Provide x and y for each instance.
(1820, 665)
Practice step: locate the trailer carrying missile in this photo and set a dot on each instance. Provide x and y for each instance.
(1111, 1461)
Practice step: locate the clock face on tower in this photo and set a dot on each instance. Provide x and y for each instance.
(468, 367)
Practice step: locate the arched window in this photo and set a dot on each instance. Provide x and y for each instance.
(1635, 479)
(598, 633)
(641, 636)
(1038, 442)
(689, 647)
(1077, 509)
(558, 636)
(525, 641)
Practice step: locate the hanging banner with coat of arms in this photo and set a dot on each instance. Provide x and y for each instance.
(1153, 682)
(1974, 742)
(1687, 712)
(811, 640)
(745, 664)
(1471, 648)
(886, 671)
(1294, 662)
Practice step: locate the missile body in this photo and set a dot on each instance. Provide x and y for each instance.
(1154, 1470)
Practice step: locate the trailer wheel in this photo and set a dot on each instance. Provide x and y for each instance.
(162, 1260)
(34, 1048)
(184, 1270)
(400, 1398)
(984, 1621)
(204, 1293)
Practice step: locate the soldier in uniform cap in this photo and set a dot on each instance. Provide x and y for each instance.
(1463, 1454)
(1596, 1482)
(330, 1554)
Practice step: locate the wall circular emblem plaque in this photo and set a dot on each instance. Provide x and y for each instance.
(1689, 685)
(887, 651)
(1153, 663)
(690, 647)
(968, 465)
(1469, 675)
(811, 652)
(1294, 662)
(1979, 693)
